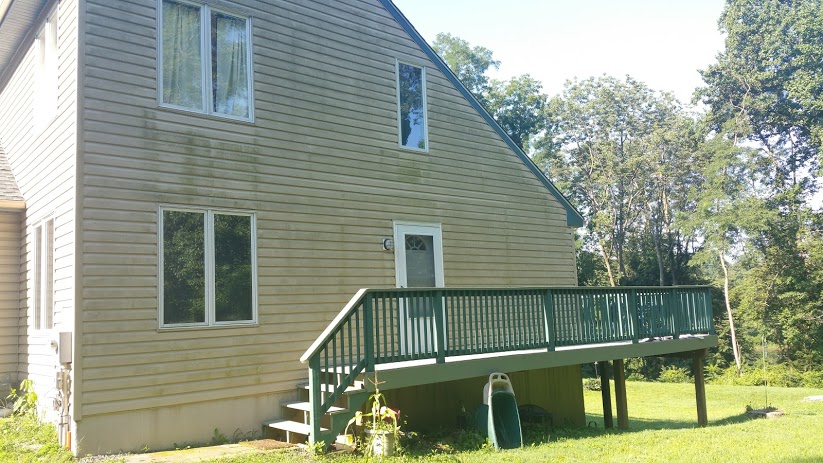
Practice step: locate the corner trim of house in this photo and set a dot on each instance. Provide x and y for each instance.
(573, 217)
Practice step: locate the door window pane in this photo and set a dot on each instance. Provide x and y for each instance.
(182, 60)
(420, 271)
(232, 267)
(230, 69)
(411, 94)
(184, 270)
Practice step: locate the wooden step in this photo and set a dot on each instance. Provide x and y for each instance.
(306, 407)
(291, 427)
(358, 386)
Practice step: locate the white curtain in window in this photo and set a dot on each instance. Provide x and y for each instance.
(230, 86)
(182, 60)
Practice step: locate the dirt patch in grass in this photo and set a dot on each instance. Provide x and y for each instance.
(268, 444)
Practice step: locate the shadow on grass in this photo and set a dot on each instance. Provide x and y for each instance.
(645, 424)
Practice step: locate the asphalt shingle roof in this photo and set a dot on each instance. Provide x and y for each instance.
(8, 186)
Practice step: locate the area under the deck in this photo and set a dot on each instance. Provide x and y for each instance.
(426, 371)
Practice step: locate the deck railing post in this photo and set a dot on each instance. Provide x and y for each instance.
(368, 332)
(676, 308)
(709, 310)
(633, 312)
(315, 399)
(439, 326)
(548, 319)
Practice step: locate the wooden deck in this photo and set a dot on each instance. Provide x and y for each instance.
(425, 371)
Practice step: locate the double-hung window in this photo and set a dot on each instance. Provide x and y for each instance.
(43, 267)
(208, 271)
(411, 107)
(204, 60)
(47, 70)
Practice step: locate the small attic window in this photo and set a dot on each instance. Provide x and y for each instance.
(47, 70)
(411, 107)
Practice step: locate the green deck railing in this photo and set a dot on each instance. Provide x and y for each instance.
(381, 326)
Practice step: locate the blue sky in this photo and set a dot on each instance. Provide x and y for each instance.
(660, 42)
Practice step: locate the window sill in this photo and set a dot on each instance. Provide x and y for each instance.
(163, 329)
(214, 116)
(413, 150)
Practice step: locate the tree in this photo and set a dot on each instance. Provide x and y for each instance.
(768, 81)
(518, 105)
(765, 90)
(722, 213)
(604, 128)
(468, 63)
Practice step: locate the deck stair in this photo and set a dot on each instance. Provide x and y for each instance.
(333, 422)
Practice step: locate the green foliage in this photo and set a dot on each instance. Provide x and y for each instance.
(766, 86)
(620, 151)
(674, 375)
(591, 384)
(468, 63)
(218, 438)
(24, 439)
(380, 420)
(776, 375)
(25, 400)
(518, 105)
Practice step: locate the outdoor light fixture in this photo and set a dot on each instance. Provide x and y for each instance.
(388, 244)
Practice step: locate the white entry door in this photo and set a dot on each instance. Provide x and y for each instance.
(418, 257)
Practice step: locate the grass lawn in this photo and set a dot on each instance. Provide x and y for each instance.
(662, 420)
(24, 440)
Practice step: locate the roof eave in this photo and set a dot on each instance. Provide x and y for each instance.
(573, 217)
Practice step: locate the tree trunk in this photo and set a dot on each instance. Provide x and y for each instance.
(608, 265)
(656, 231)
(735, 348)
(673, 261)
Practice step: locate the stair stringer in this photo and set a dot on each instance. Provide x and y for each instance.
(339, 421)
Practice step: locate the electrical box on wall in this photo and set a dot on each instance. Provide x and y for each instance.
(64, 347)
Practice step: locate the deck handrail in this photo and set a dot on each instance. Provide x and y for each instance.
(379, 326)
(338, 320)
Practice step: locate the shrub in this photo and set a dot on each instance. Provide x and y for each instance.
(674, 375)
(636, 377)
(778, 375)
(591, 384)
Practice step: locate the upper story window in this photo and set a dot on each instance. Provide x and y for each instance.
(208, 272)
(47, 77)
(43, 266)
(411, 107)
(205, 60)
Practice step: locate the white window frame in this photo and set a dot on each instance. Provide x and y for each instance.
(205, 52)
(398, 62)
(43, 275)
(210, 319)
(48, 70)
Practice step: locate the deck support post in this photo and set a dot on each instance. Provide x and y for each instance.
(605, 392)
(315, 400)
(700, 386)
(620, 394)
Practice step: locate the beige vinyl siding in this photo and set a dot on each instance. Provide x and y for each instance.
(41, 156)
(322, 169)
(9, 298)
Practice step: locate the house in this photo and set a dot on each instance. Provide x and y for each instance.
(196, 188)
